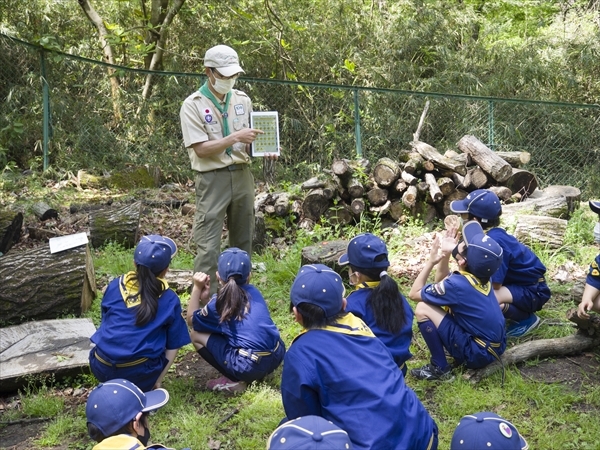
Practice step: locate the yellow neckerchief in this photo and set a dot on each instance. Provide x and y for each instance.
(348, 324)
(129, 287)
(483, 288)
(120, 442)
(366, 285)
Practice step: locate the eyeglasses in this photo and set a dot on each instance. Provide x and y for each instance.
(221, 77)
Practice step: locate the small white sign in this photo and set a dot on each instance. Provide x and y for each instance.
(61, 243)
(268, 142)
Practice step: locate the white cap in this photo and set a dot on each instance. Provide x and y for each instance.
(224, 59)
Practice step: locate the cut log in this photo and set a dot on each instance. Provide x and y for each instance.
(409, 198)
(355, 188)
(489, 162)
(522, 182)
(282, 205)
(434, 189)
(313, 183)
(545, 231)
(429, 153)
(381, 210)
(377, 196)
(343, 169)
(259, 239)
(458, 194)
(315, 204)
(357, 206)
(50, 347)
(262, 199)
(180, 280)
(414, 164)
(502, 192)
(571, 193)
(386, 172)
(296, 209)
(551, 207)
(120, 225)
(541, 348)
(43, 211)
(475, 179)
(398, 210)
(459, 180)
(408, 178)
(188, 209)
(515, 159)
(428, 166)
(11, 225)
(326, 253)
(400, 186)
(446, 185)
(339, 215)
(37, 285)
(590, 326)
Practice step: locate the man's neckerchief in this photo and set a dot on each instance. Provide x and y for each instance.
(129, 287)
(205, 90)
(348, 324)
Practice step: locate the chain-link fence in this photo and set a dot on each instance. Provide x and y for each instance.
(73, 113)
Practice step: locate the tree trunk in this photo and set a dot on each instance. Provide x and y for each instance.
(522, 182)
(408, 178)
(409, 198)
(115, 84)
(381, 210)
(458, 194)
(282, 205)
(434, 189)
(43, 211)
(475, 179)
(326, 253)
(355, 188)
(414, 164)
(11, 224)
(429, 153)
(342, 169)
(548, 232)
(502, 192)
(551, 207)
(339, 215)
(377, 196)
(120, 225)
(541, 348)
(572, 194)
(386, 172)
(315, 204)
(446, 185)
(357, 206)
(489, 162)
(397, 210)
(37, 285)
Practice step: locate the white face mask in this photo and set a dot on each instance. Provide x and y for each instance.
(223, 86)
(597, 233)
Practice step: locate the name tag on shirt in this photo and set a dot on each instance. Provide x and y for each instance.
(239, 110)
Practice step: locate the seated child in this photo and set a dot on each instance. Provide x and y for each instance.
(591, 293)
(142, 326)
(519, 284)
(484, 430)
(472, 330)
(234, 332)
(339, 370)
(377, 299)
(117, 415)
(309, 432)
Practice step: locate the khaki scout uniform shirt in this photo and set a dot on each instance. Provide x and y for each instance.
(201, 122)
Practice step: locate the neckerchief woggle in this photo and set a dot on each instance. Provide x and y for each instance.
(205, 90)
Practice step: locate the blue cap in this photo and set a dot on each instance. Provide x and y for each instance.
(484, 255)
(319, 285)
(155, 252)
(481, 203)
(309, 433)
(366, 251)
(234, 262)
(595, 206)
(486, 430)
(115, 403)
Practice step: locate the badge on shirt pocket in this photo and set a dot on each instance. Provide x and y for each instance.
(239, 110)
(238, 124)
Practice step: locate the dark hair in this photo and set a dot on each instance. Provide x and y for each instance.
(98, 436)
(150, 289)
(232, 300)
(313, 316)
(386, 301)
(489, 224)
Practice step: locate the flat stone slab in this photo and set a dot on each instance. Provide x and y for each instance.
(60, 347)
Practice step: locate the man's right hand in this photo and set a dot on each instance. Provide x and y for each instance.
(247, 135)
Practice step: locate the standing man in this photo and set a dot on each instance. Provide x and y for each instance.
(215, 121)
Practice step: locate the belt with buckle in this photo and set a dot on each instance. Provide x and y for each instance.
(127, 364)
(231, 168)
(256, 356)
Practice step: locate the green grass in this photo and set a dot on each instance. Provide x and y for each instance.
(550, 415)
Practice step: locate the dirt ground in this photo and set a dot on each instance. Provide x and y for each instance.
(577, 372)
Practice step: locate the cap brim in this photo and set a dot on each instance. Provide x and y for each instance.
(595, 206)
(524, 444)
(230, 70)
(458, 206)
(343, 260)
(155, 399)
(471, 229)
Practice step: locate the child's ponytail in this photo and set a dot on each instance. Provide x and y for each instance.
(150, 289)
(232, 300)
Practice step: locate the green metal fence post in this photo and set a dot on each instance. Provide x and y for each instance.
(46, 108)
(491, 125)
(357, 125)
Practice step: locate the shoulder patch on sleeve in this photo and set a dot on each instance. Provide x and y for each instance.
(436, 288)
(204, 311)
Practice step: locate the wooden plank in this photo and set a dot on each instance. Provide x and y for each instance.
(58, 346)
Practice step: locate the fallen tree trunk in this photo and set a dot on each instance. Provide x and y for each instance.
(118, 225)
(541, 348)
(546, 231)
(11, 224)
(489, 162)
(551, 207)
(38, 285)
(43, 211)
(326, 253)
(515, 159)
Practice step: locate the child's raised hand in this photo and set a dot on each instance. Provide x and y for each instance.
(449, 241)
(202, 284)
